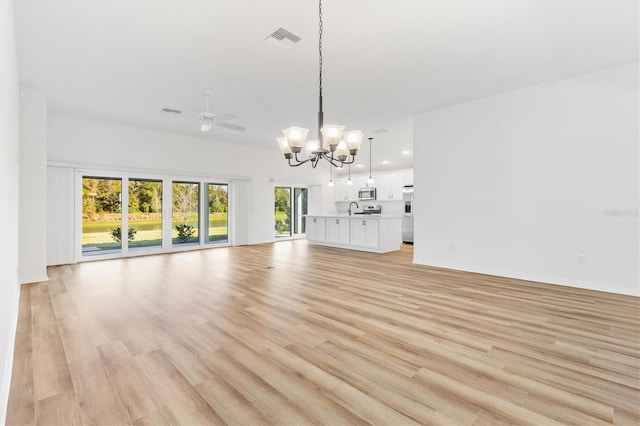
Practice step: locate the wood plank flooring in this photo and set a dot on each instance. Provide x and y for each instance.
(288, 333)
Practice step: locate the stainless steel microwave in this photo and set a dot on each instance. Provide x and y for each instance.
(367, 194)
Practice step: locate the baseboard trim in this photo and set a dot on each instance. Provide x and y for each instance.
(7, 368)
(586, 285)
(34, 279)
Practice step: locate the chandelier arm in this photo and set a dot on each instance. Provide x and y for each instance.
(305, 160)
(296, 164)
(299, 163)
(334, 162)
(353, 159)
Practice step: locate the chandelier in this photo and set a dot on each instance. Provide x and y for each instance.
(334, 144)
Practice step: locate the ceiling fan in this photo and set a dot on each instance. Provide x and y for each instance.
(209, 119)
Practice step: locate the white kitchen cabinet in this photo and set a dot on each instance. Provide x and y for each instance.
(344, 192)
(407, 178)
(340, 190)
(389, 187)
(337, 230)
(315, 228)
(379, 234)
(364, 232)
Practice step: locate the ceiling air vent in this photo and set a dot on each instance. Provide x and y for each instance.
(171, 111)
(282, 38)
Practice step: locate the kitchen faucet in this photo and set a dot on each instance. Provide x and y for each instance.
(353, 202)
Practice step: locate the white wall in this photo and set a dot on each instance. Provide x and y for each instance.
(33, 187)
(60, 215)
(9, 173)
(103, 145)
(520, 184)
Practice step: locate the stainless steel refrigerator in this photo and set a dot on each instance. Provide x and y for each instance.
(407, 220)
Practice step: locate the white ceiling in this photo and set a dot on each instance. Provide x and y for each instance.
(123, 61)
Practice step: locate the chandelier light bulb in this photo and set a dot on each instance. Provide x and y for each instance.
(284, 145)
(341, 151)
(295, 138)
(310, 147)
(331, 135)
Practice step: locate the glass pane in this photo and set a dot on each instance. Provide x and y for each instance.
(218, 210)
(283, 211)
(300, 206)
(101, 215)
(185, 215)
(145, 213)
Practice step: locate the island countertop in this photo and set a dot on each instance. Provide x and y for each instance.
(378, 233)
(357, 215)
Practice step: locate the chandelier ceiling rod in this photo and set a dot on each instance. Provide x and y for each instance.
(335, 146)
(320, 113)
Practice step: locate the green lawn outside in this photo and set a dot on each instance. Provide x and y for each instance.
(149, 233)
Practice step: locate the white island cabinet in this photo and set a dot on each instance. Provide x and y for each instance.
(364, 232)
(315, 228)
(375, 233)
(337, 230)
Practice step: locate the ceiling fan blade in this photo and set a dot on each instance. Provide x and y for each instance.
(231, 126)
(225, 117)
(195, 114)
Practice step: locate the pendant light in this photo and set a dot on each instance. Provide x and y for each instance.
(370, 181)
(330, 176)
(349, 181)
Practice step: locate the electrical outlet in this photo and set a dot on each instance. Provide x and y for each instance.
(581, 258)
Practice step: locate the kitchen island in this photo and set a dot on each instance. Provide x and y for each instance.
(378, 233)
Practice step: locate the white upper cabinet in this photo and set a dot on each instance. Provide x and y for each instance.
(388, 187)
(344, 192)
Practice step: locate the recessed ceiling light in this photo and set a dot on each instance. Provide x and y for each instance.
(406, 152)
(171, 110)
(359, 166)
(385, 161)
(380, 131)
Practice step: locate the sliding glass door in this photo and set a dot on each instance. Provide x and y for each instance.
(290, 210)
(283, 211)
(101, 215)
(300, 201)
(162, 214)
(185, 216)
(217, 219)
(145, 213)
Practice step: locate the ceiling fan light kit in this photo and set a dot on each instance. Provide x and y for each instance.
(334, 145)
(208, 118)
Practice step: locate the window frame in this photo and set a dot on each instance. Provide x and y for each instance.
(167, 207)
(293, 210)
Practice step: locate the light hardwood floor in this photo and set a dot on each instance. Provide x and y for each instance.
(288, 333)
